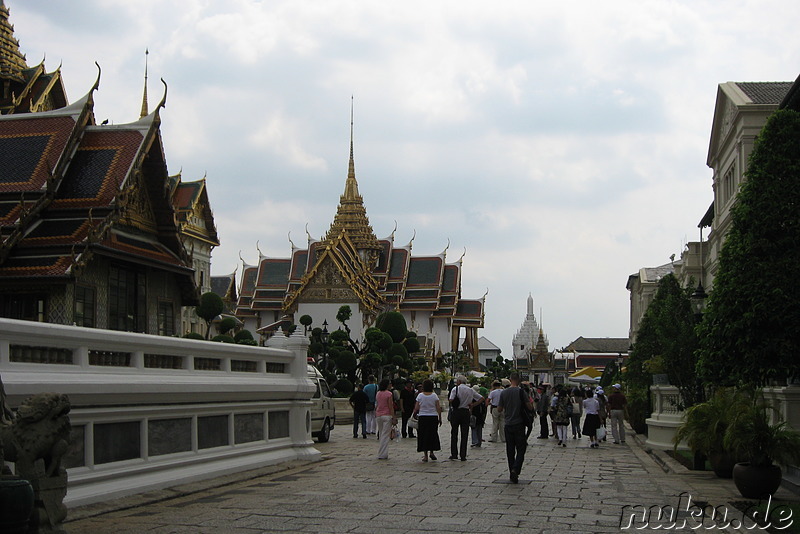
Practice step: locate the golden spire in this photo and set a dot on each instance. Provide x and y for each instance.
(12, 61)
(351, 186)
(144, 112)
(351, 215)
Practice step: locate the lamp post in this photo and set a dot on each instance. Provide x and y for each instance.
(324, 337)
(698, 301)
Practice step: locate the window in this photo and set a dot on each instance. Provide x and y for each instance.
(84, 306)
(21, 306)
(166, 319)
(127, 300)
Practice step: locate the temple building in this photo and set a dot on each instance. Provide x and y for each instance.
(351, 266)
(199, 236)
(94, 231)
(89, 234)
(526, 337)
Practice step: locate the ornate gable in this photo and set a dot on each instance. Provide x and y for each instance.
(339, 275)
(137, 208)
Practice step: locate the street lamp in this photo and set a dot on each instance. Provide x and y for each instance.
(324, 337)
(698, 301)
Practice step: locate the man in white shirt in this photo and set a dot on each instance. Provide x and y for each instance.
(467, 398)
(498, 418)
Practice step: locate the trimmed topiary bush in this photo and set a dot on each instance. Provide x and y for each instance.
(241, 335)
(223, 338)
(193, 335)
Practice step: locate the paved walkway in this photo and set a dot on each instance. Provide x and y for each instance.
(572, 489)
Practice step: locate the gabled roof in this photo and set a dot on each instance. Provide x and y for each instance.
(82, 190)
(733, 98)
(342, 253)
(190, 200)
(600, 345)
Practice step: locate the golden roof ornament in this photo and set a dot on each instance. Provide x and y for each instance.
(144, 113)
(12, 61)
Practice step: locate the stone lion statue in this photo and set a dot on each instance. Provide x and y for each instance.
(40, 430)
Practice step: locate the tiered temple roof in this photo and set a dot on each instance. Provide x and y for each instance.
(25, 89)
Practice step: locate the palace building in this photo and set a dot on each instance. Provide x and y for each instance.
(351, 266)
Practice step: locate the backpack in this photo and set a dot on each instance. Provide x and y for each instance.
(455, 402)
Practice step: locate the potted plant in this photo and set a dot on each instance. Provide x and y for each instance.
(764, 443)
(704, 426)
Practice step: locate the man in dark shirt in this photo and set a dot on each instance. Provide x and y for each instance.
(408, 396)
(358, 400)
(542, 409)
(616, 406)
(512, 402)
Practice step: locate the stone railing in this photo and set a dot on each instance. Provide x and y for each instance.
(151, 411)
(666, 417)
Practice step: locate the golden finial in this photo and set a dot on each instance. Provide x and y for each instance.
(444, 252)
(412, 239)
(144, 112)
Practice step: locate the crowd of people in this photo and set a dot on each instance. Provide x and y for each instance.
(511, 407)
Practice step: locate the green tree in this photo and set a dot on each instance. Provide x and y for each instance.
(210, 306)
(751, 329)
(500, 368)
(226, 325)
(306, 321)
(666, 334)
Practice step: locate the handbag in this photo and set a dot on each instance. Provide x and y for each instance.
(393, 433)
(473, 421)
(413, 423)
(601, 433)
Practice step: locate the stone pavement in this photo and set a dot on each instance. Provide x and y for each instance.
(560, 490)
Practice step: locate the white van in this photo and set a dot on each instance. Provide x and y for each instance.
(323, 412)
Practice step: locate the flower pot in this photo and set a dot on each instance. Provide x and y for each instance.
(16, 504)
(722, 463)
(756, 482)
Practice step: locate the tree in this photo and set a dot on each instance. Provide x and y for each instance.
(500, 367)
(306, 321)
(666, 335)
(210, 306)
(750, 331)
(226, 325)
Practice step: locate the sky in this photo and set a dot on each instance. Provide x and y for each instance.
(561, 144)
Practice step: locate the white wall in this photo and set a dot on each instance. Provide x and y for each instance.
(110, 379)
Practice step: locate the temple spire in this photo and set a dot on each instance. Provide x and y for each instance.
(12, 61)
(351, 185)
(351, 215)
(144, 112)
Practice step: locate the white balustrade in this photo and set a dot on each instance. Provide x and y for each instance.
(665, 418)
(152, 411)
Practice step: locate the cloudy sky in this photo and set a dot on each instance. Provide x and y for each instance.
(562, 144)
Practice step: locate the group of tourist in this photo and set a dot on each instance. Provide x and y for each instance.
(512, 405)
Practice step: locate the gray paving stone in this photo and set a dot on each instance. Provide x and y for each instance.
(572, 489)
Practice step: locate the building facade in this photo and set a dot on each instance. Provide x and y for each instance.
(740, 112)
